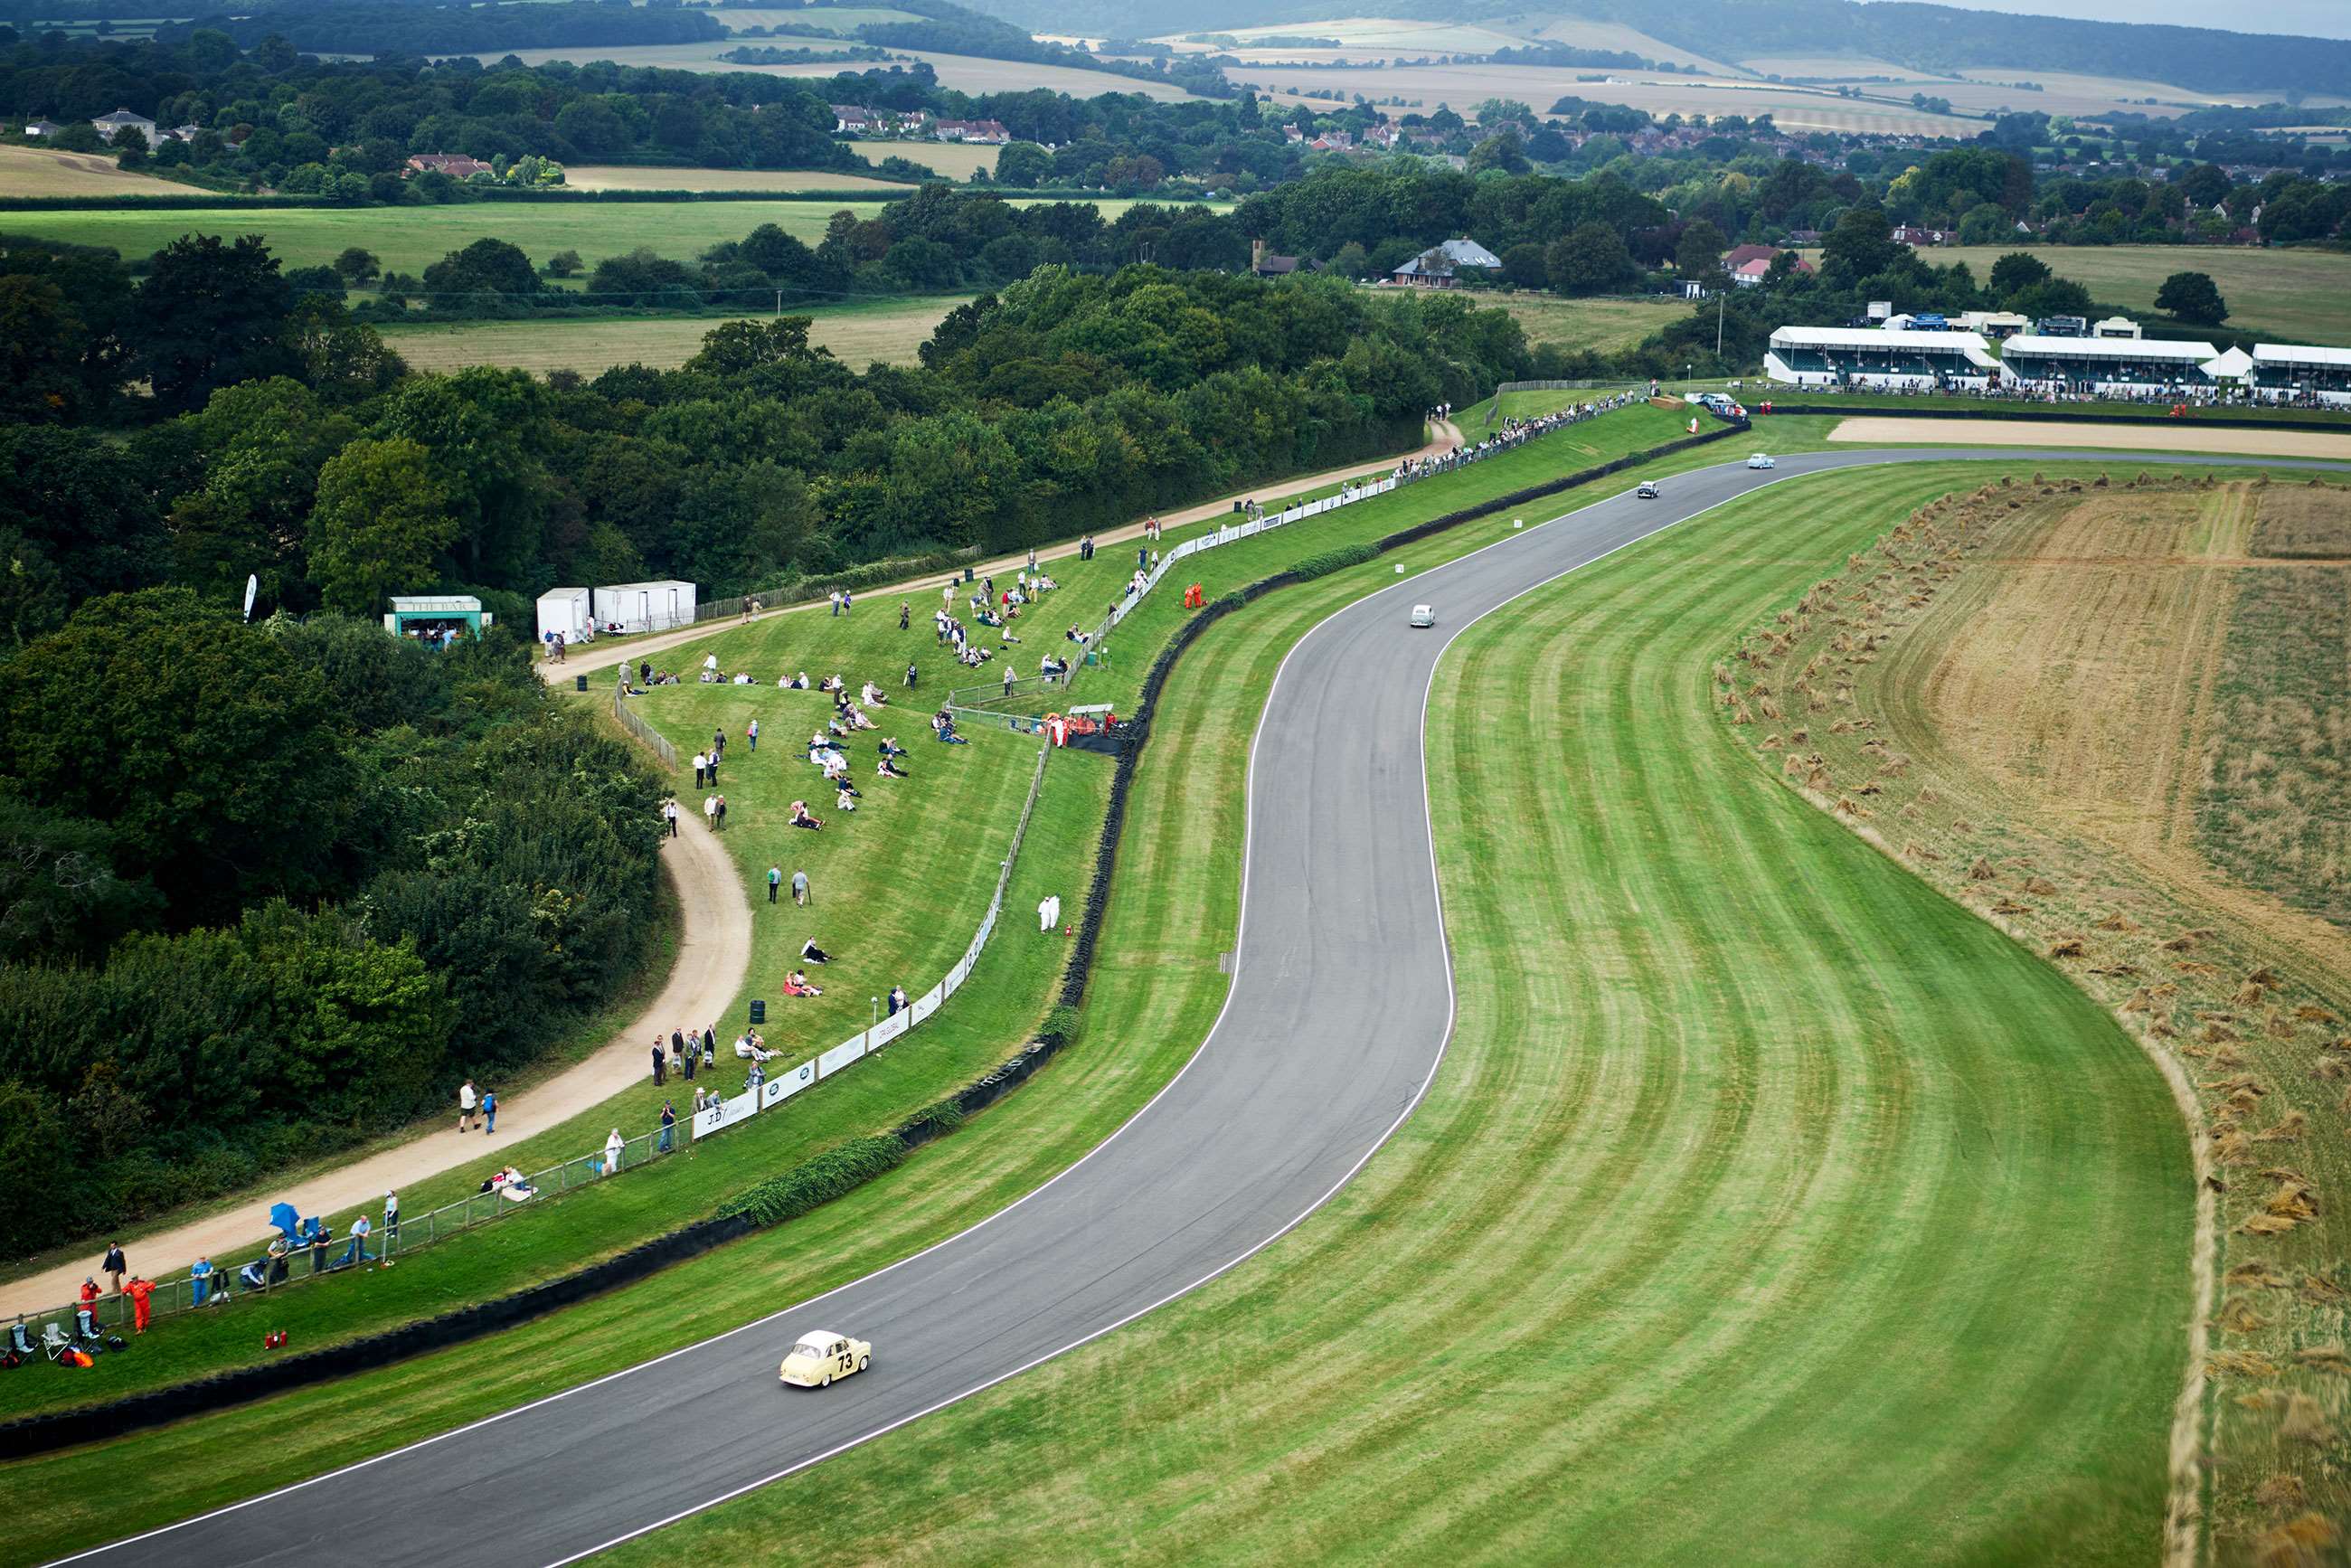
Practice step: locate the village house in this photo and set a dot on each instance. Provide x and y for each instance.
(983, 132)
(1437, 266)
(455, 166)
(854, 118)
(42, 128)
(111, 125)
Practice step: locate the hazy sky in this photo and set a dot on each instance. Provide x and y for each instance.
(2315, 18)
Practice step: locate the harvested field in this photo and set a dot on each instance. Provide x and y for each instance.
(1600, 324)
(37, 172)
(615, 177)
(2302, 522)
(2089, 685)
(2173, 437)
(953, 159)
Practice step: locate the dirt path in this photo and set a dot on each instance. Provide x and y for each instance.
(2184, 435)
(713, 951)
(589, 660)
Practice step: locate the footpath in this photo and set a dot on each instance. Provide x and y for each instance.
(712, 957)
(592, 657)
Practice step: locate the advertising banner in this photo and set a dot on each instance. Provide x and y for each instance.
(889, 1028)
(725, 1113)
(927, 1003)
(840, 1056)
(786, 1084)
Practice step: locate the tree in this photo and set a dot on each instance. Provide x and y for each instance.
(1591, 258)
(1699, 253)
(1024, 165)
(2051, 296)
(381, 520)
(130, 147)
(2016, 272)
(1523, 268)
(1503, 151)
(1861, 245)
(564, 264)
(484, 266)
(2205, 185)
(210, 314)
(356, 265)
(2192, 297)
(1985, 223)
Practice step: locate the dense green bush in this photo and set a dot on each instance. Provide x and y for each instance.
(818, 1180)
(1331, 561)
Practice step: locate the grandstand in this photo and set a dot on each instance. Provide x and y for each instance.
(1887, 360)
(2105, 367)
(2298, 373)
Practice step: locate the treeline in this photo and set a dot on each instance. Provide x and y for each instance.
(950, 29)
(266, 890)
(391, 27)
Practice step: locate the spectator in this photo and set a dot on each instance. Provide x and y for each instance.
(751, 734)
(138, 1292)
(701, 768)
(710, 812)
(113, 1266)
(489, 1111)
(722, 813)
(905, 614)
(690, 1055)
(614, 1148)
(390, 1219)
(814, 953)
(466, 1102)
(800, 895)
(669, 814)
(661, 1061)
(200, 1282)
(359, 1252)
(709, 1044)
(668, 1125)
(897, 998)
(910, 675)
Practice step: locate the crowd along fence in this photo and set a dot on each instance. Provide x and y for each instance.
(277, 1267)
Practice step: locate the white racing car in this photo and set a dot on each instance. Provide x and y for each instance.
(822, 1355)
(1761, 460)
(1423, 615)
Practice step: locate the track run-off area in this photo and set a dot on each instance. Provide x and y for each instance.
(1719, 1183)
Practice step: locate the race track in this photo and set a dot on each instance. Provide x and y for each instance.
(1339, 1014)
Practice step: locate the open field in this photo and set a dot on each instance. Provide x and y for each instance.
(614, 177)
(857, 333)
(409, 239)
(1795, 108)
(2290, 296)
(1891, 430)
(953, 159)
(2034, 697)
(38, 172)
(1600, 324)
(842, 19)
(1660, 1266)
(965, 73)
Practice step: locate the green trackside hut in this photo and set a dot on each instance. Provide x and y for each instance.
(434, 619)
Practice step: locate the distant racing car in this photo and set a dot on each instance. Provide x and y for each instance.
(1647, 492)
(1761, 460)
(1423, 615)
(822, 1355)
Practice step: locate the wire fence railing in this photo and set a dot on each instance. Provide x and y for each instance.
(652, 739)
(295, 1257)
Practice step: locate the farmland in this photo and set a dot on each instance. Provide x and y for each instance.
(858, 333)
(2094, 712)
(37, 172)
(1600, 324)
(951, 160)
(409, 239)
(2295, 296)
(608, 177)
(965, 73)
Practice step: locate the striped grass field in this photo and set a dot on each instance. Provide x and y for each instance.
(1765, 1195)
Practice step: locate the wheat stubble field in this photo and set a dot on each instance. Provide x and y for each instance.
(2106, 712)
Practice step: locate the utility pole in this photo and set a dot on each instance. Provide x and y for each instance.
(1717, 326)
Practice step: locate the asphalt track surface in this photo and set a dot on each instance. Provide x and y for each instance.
(1339, 1014)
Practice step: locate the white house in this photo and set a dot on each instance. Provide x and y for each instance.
(110, 125)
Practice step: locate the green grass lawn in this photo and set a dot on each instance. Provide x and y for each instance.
(857, 332)
(1600, 324)
(1764, 1194)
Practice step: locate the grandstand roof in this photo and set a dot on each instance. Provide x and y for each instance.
(2139, 348)
(1876, 338)
(2299, 354)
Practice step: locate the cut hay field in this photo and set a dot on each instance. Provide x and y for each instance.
(617, 177)
(1600, 325)
(857, 333)
(1892, 430)
(2290, 296)
(1764, 1194)
(965, 73)
(2100, 716)
(953, 160)
(1795, 108)
(39, 172)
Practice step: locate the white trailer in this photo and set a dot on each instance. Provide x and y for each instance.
(644, 606)
(567, 611)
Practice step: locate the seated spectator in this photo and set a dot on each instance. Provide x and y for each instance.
(800, 817)
(750, 1048)
(890, 746)
(799, 978)
(846, 800)
(873, 695)
(886, 768)
(831, 683)
(857, 719)
(814, 953)
(1074, 635)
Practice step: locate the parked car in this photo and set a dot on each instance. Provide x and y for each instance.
(1761, 460)
(823, 1355)
(1423, 615)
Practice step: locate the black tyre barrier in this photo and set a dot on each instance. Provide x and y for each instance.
(2056, 414)
(34, 1435)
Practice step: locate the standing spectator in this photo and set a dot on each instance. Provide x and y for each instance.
(690, 1057)
(722, 813)
(833, 598)
(710, 812)
(701, 770)
(138, 1292)
(465, 1104)
(113, 1267)
(910, 675)
(200, 1282)
(359, 1253)
(319, 1252)
(669, 814)
(1007, 680)
(800, 895)
(905, 614)
(390, 1219)
(614, 1148)
(751, 734)
(660, 1063)
(713, 766)
(845, 601)
(775, 883)
(489, 1111)
(709, 1049)
(669, 1125)
(678, 1054)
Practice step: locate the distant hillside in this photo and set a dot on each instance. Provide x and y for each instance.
(1939, 38)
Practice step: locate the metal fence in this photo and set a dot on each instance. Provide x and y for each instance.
(645, 733)
(262, 1268)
